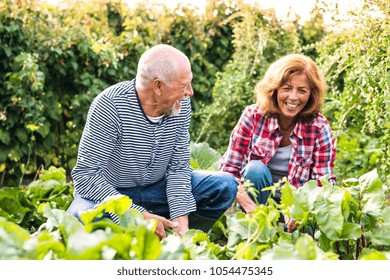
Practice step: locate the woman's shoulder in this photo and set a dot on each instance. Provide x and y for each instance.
(319, 120)
(254, 110)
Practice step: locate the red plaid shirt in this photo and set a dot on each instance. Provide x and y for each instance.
(256, 137)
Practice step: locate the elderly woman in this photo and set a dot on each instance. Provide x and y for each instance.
(283, 134)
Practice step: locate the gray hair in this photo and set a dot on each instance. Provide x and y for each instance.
(159, 62)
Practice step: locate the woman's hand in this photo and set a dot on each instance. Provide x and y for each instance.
(244, 200)
(290, 223)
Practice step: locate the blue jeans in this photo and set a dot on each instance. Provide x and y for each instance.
(214, 193)
(260, 176)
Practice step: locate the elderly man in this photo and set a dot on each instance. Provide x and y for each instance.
(136, 143)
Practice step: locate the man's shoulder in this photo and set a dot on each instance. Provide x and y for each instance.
(119, 90)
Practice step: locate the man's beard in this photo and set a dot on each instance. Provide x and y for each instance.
(174, 110)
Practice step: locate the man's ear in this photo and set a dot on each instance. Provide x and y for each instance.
(157, 86)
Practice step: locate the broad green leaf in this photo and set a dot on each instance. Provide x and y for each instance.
(287, 199)
(44, 129)
(351, 231)
(203, 156)
(250, 251)
(368, 220)
(239, 230)
(195, 237)
(106, 224)
(304, 248)
(303, 201)
(219, 229)
(117, 247)
(38, 189)
(173, 248)
(145, 245)
(43, 246)
(53, 173)
(323, 241)
(10, 204)
(131, 219)
(371, 254)
(22, 135)
(345, 205)
(259, 226)
(328, 211)
(194, 164)
(199, 246)
(114, 204)
(284, 251)
(351, 182)
(89, 246)
(381, 233)
(12, 239)
(59, 220)
(4, 137)
(371, 191)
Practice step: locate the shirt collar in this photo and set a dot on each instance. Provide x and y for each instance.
(298, 129)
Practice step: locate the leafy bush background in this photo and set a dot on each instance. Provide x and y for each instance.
(54, 61)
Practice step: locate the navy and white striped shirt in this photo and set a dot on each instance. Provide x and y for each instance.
(121, 148)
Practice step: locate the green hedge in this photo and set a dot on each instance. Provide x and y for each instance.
(55, 61)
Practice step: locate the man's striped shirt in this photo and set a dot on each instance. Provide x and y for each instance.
(121, 148)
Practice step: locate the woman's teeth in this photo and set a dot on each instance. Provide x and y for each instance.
(292, 106)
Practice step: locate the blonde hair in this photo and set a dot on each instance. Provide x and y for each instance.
(280, 72)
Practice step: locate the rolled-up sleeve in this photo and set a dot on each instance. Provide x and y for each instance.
(324, 155)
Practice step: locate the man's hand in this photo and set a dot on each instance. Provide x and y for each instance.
(161, 222)
(182, 225)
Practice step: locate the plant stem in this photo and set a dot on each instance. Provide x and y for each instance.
(203, 128)
(2, 178)
(357, 248)
(348, 247)
(27, 164)
(363, 241)
(337, 246)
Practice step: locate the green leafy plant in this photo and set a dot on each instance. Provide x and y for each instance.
(203, 156)
(344, 220)
(20, 205)
(335, 222)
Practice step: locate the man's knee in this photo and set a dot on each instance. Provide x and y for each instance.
(212, 187)
(226, 184)
(79, 205)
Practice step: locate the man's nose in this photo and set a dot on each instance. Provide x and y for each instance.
(190, 91)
